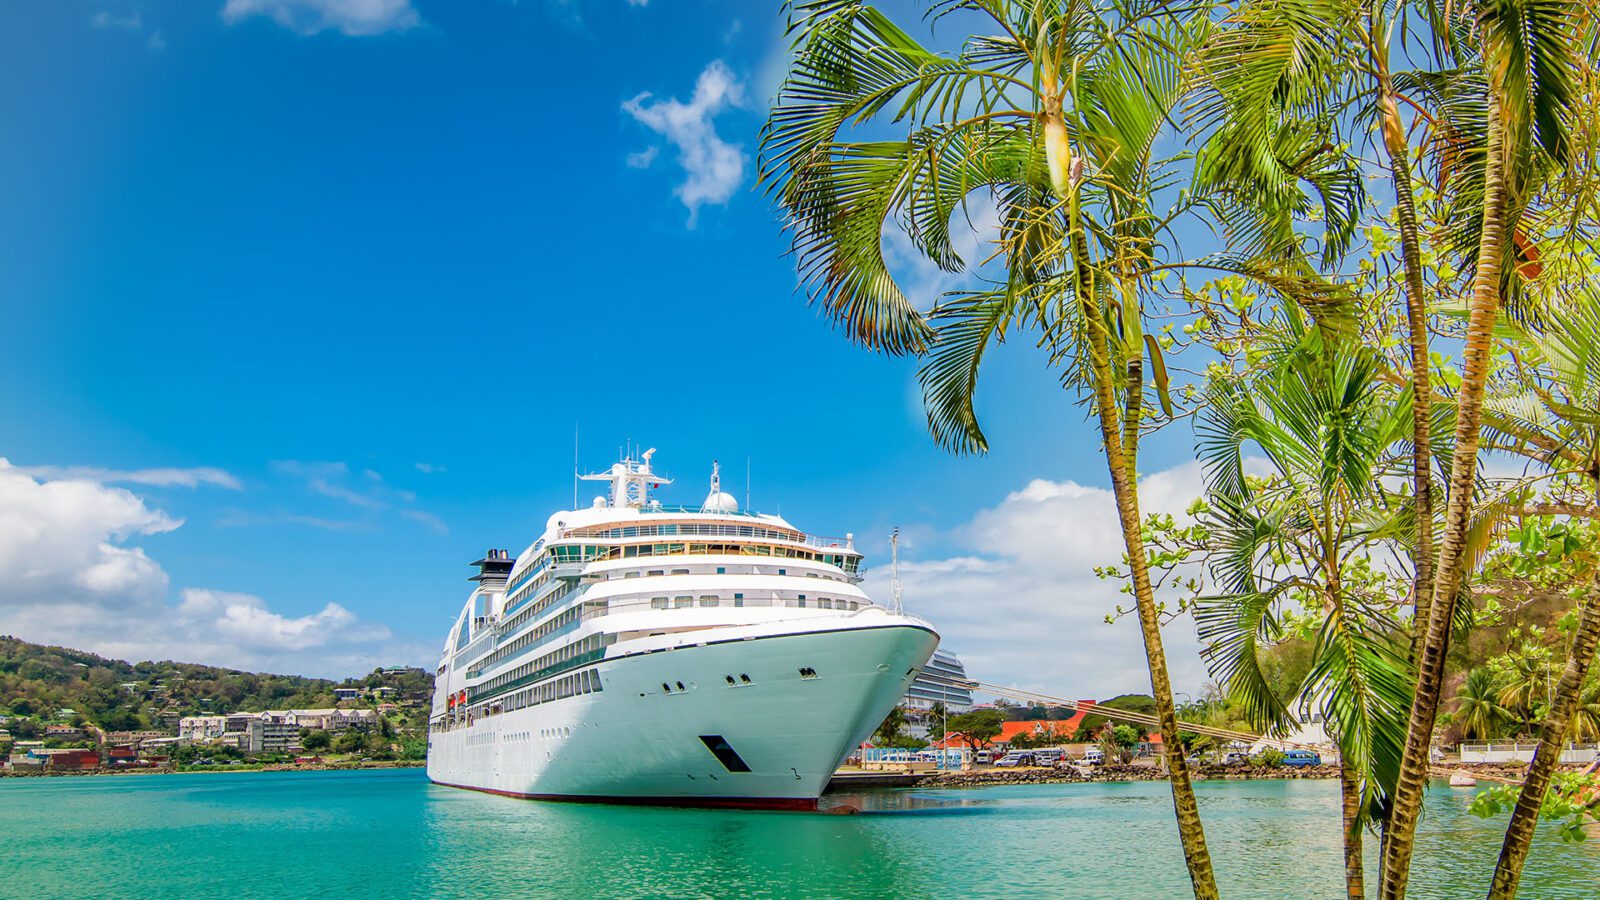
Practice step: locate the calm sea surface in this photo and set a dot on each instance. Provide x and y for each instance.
(391, 834)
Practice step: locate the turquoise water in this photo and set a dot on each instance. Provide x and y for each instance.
(389, 833)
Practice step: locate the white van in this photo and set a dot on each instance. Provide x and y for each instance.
(1047, 756)
(1094, 756)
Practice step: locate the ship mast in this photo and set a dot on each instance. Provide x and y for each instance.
(894, 566)
(631, 480)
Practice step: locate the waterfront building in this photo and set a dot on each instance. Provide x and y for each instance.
(264, 736)
(210, 728)
(63, 732)
(68, 759)
(202, 728)
(640, 652)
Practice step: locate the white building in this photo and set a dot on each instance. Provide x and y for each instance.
(202, 728)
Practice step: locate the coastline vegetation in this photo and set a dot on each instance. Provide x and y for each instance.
(92, 697)
(1351, 246)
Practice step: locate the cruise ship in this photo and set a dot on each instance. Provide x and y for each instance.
(641, 653)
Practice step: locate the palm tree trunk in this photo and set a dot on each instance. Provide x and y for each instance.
(1400, 835)
(1519, 831)
(1394, 142)
(1125, 489)
(1350, 808)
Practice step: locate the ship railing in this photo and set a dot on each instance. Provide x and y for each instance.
(595, 609)
(706, 529)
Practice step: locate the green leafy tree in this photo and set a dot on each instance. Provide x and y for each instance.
(317, 739)
(978, 727)
(350, 742)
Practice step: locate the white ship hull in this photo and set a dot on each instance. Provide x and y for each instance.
(634, 742)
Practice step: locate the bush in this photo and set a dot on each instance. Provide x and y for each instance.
(1269, 757)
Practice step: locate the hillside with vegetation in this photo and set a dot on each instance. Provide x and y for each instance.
(42, 686)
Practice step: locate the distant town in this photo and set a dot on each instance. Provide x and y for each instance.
(63, 711)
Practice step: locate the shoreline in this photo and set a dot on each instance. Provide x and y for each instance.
(854, 779)
(1132, 773)
(224, 770)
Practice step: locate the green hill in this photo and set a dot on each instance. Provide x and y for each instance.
(38, 683)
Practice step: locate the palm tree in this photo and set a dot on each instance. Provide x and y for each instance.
(1528, 54)
(1478, 710)
(1325, 424)
(1055, 117)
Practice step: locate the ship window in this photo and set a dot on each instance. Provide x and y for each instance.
(707, 600)
(783, 571)
(738, 599)
(722, 570)
(730, 680)
(658, 603)
(745, 678)
(825, 603)
(681, 602)
(658, 571)
(680, 571)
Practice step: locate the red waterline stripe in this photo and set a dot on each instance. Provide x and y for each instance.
(786, 803)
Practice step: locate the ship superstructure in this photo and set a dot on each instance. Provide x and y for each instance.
(637, 652)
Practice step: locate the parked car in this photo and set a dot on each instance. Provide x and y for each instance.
(1236, 758)
(1047, 757)
(1015, 759)
(1195, 759)
(1094, 756)
(1302, 758)
(984, 757)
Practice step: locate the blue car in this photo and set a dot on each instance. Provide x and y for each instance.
(1302, 758)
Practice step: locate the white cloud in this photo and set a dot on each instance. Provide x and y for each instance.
(1020, 603)
(106, 19)
(188, 478)
(157, 42)
(713, 167)
(643, 158)
(365, 490)
(70, 575)
(356, 18)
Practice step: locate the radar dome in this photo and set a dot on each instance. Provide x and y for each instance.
(718, 501)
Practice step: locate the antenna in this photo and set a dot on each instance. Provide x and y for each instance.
(894, 566)
(747, 484)
(574, 465)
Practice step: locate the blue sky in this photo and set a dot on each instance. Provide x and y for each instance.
(332, 283)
